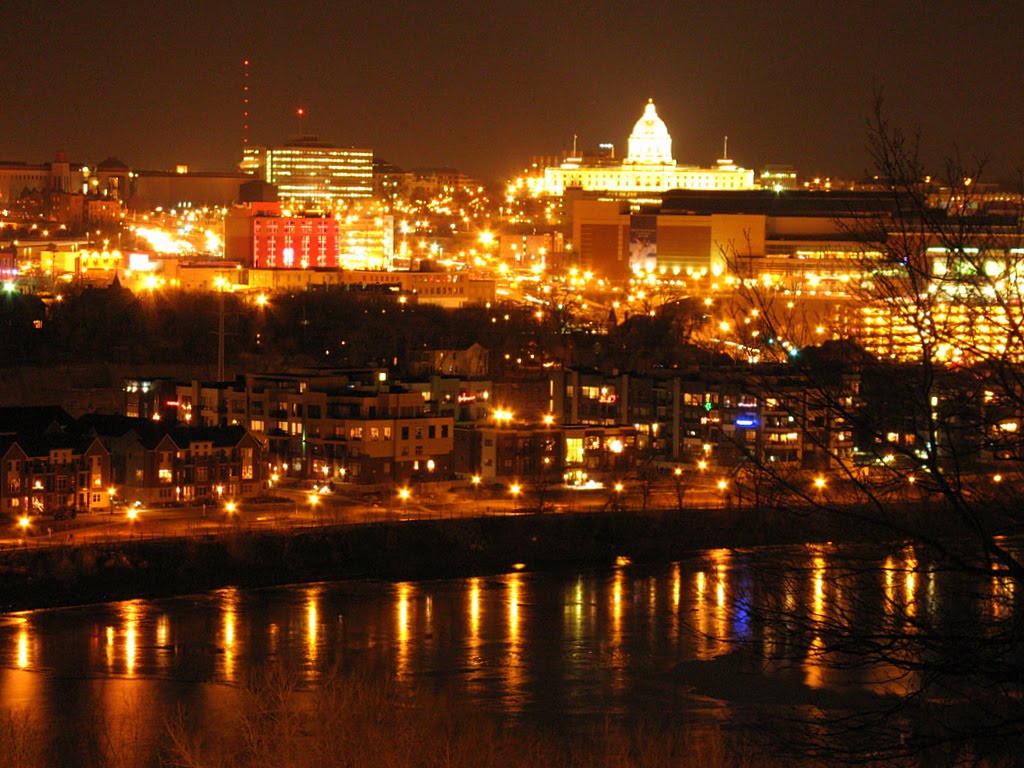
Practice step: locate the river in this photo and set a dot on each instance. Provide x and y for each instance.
(673, 641)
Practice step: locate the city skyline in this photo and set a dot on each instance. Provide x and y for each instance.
(484, 91)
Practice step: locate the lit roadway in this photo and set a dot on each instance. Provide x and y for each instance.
(297, 509)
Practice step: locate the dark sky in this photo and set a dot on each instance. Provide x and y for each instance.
(481, 86)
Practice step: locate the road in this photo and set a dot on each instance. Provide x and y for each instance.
(294, 508)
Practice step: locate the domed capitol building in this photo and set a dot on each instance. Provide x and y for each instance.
(649, 168)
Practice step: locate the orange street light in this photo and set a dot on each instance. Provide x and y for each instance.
(819, 482)
(231, 507)
(24, 523)
(404, 494)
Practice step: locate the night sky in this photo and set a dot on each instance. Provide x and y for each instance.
(483, 86)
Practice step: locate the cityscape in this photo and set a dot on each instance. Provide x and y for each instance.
(572, 435)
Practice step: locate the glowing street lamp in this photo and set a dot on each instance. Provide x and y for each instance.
(502, 416)
(404, 494)
(723, 488)
(819, 482)
(24, 522)
(231, 507)
(515, 489)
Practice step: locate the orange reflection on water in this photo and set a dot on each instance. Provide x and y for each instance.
(23, 655)
(577, 612)
(130, 620)
(312, 628)
(162, 629)
(110, 649)
(818, 581)
(704, 640)
(229, 610)
(677, 588)
(514, 664)
(814, 671)
(513, 611)
(722, 558)
(617, 584)
(473, 659)
(405, 591)
(910, 582)
(889, 599)
(474, 609)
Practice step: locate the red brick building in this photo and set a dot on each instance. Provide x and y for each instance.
(258, 236)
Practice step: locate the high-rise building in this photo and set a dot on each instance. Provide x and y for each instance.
(312, 172)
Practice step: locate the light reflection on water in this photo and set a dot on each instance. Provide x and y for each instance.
(532, 645)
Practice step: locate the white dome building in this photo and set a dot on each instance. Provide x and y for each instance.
(650, 142)
(648, 169)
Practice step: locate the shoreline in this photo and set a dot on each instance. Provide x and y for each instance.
(72, 575)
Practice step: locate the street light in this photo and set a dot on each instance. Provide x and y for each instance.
(515, 489)
(231, 507)
(24, 522)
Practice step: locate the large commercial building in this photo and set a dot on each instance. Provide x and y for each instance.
(694, 232)
(649, 168)
(311, 172)
(258, 236)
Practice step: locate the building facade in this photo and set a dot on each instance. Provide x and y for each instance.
(310, 172)
(648, 169)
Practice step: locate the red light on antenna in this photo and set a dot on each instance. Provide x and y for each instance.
(300, 111)
(246, 62)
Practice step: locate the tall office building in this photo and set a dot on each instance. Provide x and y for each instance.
(312, 172)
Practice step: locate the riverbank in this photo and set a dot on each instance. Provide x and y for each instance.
(414, 550)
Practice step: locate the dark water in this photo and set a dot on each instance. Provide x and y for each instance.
(673, 641)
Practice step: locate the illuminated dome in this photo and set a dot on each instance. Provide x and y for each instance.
(650, 143)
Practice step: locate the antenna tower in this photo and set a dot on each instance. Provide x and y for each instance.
(245, 103)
